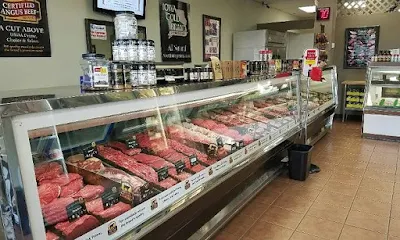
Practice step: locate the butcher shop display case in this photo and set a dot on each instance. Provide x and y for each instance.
(124, 164)
(381, 101)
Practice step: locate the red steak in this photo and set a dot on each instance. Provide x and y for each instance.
(123, 148)
(56, 211)
(47, 171)
(72, 230)
(91, 164)
(113, 211)
(120, 176)
(89, 192)
(167, 183)
(95, 205)
(63, 180)
(72, 188)
(48, 192)
(51, 236)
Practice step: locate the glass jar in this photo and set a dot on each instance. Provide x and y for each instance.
(152, 74)
(142, 50)
(115, 50)
(132, 50)
(210, 74)
(143, 74)
(151, 51)
(126, 70)
(125, 26)
(203, 74)
(186, 74)
(134, 75)
(123, 50)
(95, 70)
(193, 75)
(117, 76)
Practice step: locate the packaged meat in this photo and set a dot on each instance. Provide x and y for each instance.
(168, 183)
(91, 164)
(47, 171)
(114, 211)
(48, 192)
(72, 230)
(62, 180)
(72, 188)
(89, 192)
(123, 148)
(56, 211)
(51, 236)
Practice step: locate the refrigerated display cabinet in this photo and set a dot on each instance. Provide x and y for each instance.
(153, 163)
(381, 102)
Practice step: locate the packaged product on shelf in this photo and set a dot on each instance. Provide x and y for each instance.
(126, 69)
(123, 50)
(75, 229)
(95, 70)
(142, 50)
(125, 26)
(134, 75)
(152, 74)
(117, 76)
(151, 51)
(115, 50)
(133, 50)
(143, 75)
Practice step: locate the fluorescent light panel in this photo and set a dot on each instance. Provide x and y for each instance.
(308, 9)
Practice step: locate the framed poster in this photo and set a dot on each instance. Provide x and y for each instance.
(360, 45)
(211, 37)
(174, 31)
(24, 29)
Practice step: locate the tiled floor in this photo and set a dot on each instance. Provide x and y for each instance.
(355, 196)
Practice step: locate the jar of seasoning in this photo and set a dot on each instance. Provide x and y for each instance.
(203, 74)
(95, 70)
(134, 75)
(186, 74)
(125, 26)
(123, 50)
(152, 74)
(193, 76)
(210, 74)
(143, 74)
(132, 51)
(115, 50)
(142, 50)
(126, 70)
(151, 51)
(117, 76)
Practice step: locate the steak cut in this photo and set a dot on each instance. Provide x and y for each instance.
(72, 188)
(72, 230)
(51, 236)
(48, 192)
(123, 148)
(56, 211)
(120, 176)
(95, 205)
(114, 211)
(63, 180)
(89, 192)
(47, 171)
(168, 183)
(91, 164)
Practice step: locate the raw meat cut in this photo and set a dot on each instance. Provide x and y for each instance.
(63, 179)
(76, 158)
(89, 192)
(72, 188)
(95, 205)
(114, 211)
(129, 163)
(168, 183)
(56, 211)
(51, 236)
(182, 176)
(123, 148)
(48, 193)
(190, 151)
(120, 176)
(72, 230)
(47, 171)
(155, 162)
(91, 164)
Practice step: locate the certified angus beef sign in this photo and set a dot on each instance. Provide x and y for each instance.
(174, 30)
(24, 30)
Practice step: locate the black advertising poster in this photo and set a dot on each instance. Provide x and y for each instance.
(174, 30)
(24, 30)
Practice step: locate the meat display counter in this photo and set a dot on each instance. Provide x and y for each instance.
(149, 163)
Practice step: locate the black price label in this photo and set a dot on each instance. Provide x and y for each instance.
(131, 143)
(193, 160)
(233, 148)
(220, 143)
(76, 210)
(90, 150)
(145, 192)
(180, 166)
(241, 144)
(162, 173)
(110, 197)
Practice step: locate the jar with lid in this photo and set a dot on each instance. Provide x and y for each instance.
(210, 74)
(132, 50)
(142, 50)
(134, 75)
(125, 26)
(151, 51)
(203, 74)
(123, 50)
(117, 76)
(143, 75)
(152, 74)
(186, 74)
(126, 70)
(193, 75)
(95, 70)
(115, 50)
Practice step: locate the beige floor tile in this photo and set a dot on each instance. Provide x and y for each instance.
(362, 156)
(266, 197)
(397, 188)
(386, 149)
(254, 210)
(394, 228)
(328, 212)
(349, 170)
(377, 175)
(303, 236)
(282, 217)
(314, 226)
(371, 207)
(293, 203)
(393, 238)
(277, 185)
(381, 168)
(341, 188)
(384, 158)
(384, 186)
(353, 233)
(367, 221)
(335, 199)
(267, 231)
(374, 195)
(345, 178)
(397, 176)
(353, 164)
(239, 225)
(305, 191)
(312, 182)
(226, 236)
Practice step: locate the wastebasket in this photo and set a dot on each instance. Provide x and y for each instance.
(299, 161)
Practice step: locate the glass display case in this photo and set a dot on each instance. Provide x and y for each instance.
(101, 165)
(381, 103)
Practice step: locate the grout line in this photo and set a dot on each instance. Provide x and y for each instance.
(391, 205)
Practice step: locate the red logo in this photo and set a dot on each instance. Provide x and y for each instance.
(26, 11)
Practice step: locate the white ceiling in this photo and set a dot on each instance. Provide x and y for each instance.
(292, 7)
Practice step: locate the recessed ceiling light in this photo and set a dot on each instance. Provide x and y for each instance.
(308, 9)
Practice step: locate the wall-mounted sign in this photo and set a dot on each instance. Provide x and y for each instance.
(98, 32)
(24, 30)
(323, 14)
(211, 37)
(174, 30)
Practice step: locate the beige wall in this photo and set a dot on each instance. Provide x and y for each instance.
(67, 32)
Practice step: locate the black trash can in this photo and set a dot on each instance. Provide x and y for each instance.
(299, 161)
